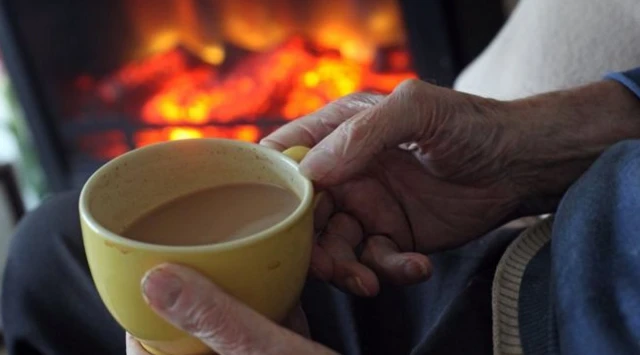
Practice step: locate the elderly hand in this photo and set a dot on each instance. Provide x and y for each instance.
(422, 169)
(194, 304)
(413, 172)
(428, 168)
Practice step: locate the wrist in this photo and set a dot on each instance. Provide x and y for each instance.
(557, 136)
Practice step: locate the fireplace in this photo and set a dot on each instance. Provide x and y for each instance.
(99, 78)
(233, 69)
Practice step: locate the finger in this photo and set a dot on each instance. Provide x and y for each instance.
(194, 304)
(356, 278)
(297, 322)
(383, 256)
(401, 117)
(322, 211)
(311, 129)
(321, 264)
(134, 347)
(376, 208)
(339, 239)
(346, 227)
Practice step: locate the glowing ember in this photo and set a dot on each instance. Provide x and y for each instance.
(241, 76)
(144, 137)
(286, 82)
(184, 133)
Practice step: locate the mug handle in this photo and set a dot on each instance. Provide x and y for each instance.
(297, 153)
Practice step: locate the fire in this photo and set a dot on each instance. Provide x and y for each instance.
(290, 81)
(184, 133)
(229, 78)
(248, 133)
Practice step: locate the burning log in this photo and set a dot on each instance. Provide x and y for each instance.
(295, 78)
(142, 77)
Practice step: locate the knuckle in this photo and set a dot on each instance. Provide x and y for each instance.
(358, 101)
(203, 318)
(214, 322)
(359, 128)
(361, 97)
(346, 130)
(410, 86)
(326, 123)
(410, 91)
(344, 222)
(307, 133)
(416, 100)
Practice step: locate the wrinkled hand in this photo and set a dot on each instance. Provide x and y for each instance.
(194, 304)
(422, 169)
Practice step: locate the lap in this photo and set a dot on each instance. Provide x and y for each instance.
(50, 304)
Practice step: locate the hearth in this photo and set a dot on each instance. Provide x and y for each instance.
(99, 78)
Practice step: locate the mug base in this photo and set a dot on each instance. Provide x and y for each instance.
(154, 351)
(151, 350)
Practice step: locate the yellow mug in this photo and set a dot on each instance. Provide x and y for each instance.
(266, 270)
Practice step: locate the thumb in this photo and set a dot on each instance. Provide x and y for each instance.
(194, 304)
(402, 116)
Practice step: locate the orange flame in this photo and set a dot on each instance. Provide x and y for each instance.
(197, 76)
(145, 137)
(289, 81)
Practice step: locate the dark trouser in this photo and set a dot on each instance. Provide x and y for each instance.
(50, 305)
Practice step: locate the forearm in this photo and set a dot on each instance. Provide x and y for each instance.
(562, 133)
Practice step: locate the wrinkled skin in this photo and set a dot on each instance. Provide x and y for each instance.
(194, 304)
(420, 170)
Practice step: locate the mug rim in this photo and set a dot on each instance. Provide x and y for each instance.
(290, 220)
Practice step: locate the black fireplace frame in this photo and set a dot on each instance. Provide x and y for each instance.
(442, 44)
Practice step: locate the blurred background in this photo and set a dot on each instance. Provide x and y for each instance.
(85, 81)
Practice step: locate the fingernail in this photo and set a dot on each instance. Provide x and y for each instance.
(415, 270)
(318, 164)
(161, 288)
(356, 286)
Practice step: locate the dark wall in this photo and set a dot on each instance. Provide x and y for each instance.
(446, 35)
(71, 36)
(474, 24)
